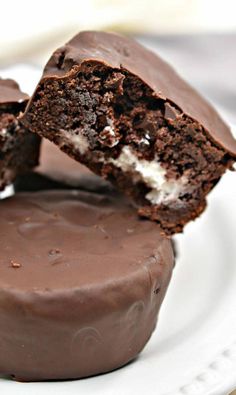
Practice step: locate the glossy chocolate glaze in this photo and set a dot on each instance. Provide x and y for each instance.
(121, 52)
(10, 92)
(81, 283)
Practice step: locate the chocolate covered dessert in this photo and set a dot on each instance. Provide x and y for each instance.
(19, 149)
(82, 279)
(122, 111)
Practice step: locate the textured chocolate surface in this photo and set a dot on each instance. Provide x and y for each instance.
(81, 283)
(19, 149)
(122, 111)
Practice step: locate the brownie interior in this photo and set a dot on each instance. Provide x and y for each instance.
(113, 109)
(18, 147)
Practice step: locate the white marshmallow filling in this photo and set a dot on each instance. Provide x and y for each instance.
(79, 141)
(153, 174)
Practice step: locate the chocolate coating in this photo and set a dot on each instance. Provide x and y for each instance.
(81, 283)
(123, 53)
(10, 92)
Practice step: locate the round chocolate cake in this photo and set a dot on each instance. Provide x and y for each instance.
(82, 279)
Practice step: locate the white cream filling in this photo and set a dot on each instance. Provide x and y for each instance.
(110, 124)
(110, 133)
(3, 132)
(145, 139)
(79, 141)
(153, 175)
(110, 130)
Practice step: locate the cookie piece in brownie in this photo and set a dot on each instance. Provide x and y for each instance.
(121, 110)
(19, 148)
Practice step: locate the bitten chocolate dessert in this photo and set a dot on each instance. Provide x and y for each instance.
(19, 149)
(122, 111)
(82, 279)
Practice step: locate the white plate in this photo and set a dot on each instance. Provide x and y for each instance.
(193, 351)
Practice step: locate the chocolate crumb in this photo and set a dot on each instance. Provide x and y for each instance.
(129, 230)
(15, 265)
(171, 112)
(54, 251)
(157, 290)
(55, 215)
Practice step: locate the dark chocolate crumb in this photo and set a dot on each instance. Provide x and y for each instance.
(54, 251)
(55, 215)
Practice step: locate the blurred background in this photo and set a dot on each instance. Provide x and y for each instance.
(37, 27)
(197, 36)
(32, 29)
